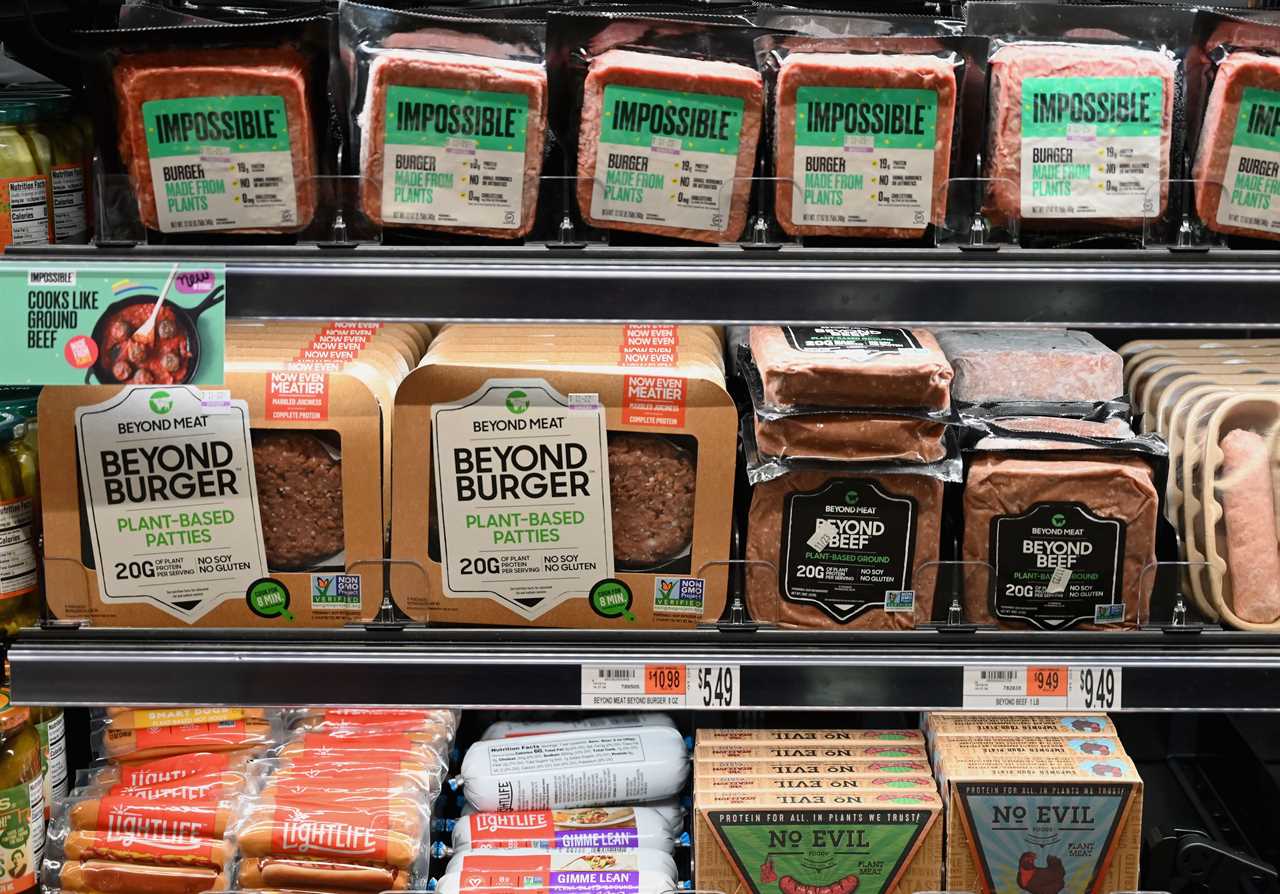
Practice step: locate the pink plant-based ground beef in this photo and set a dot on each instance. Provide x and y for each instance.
(1054, 365)
(1251, 80)
(1249, 512)
(185, 75)
(426, 70)
(299, 497)
(854, 74)
(1070, 68)
(651, 485)
(715, 104)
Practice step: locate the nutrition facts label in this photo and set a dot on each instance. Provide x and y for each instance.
(17, 548)
(1092, 147)
(524, 512)
(666, 158)
(27, 216)
(69, 222)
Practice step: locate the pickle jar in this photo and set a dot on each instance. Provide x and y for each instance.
(24, 176)
(19, 492)
(21, 799)
(52, 729)
(67, 204)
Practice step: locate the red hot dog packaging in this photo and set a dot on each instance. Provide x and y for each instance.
(564, 478)
(1040, 813)
(229, 507)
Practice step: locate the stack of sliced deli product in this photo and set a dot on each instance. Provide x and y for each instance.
(1218, 404)
(790, 821)
(847, 454)
(565, 476)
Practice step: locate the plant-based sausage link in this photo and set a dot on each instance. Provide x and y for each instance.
(197, 788)
(142, 817)
(846, 885)
(105, 876)
(317, 875)
(147, 743)
(399, 814)
(165, 770)
(342, 835)
(132, 848)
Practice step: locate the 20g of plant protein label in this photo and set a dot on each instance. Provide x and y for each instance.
(221, 163)
(864, 157)
(1091, 147)
(1251, 187)
(523, 495)
(454, 157)
(666, 157)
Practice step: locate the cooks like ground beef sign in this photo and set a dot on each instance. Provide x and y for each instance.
(171, 499)
(523, 496)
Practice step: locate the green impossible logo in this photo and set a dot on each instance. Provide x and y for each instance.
(161, 402)
(517, 402)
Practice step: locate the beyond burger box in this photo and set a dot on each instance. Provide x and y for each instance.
(565, 477)
(175, 505)
(774, 843)
(1040, 814)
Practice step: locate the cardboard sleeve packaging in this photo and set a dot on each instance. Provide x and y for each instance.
(351, 423)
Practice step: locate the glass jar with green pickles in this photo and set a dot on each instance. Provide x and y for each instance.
(19, 495)
(51, 727)
(25, 158)
(68, 209)
(21, 799)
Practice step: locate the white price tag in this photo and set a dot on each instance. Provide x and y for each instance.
(1096, 688)
(1042, 688)
(714, 686)
(1059, 580)
(660, 686)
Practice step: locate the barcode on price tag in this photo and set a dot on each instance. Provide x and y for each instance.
(1043, 688)
(660, 686)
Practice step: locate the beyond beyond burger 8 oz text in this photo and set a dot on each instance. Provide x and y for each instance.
(583, 481)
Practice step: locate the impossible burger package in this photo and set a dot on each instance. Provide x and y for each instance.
(446, 119)
(630, 437)
(213, 129)
(217, 507)
(1087, 118)
(661, 118)
(867, 131)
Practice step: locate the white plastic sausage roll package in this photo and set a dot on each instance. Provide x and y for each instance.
(504, 728)
(575, 769)
(612, 828)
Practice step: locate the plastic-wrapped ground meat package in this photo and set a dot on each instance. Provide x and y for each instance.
(852, 437)
(1057, 109)
(837, 548)
(900, 106)
(1041, 365)
(252, 106)
(1065, 536)
(648, 118)
(848, 367)
(1237, 169)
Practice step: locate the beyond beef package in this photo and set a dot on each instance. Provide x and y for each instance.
(1237, 159)
(1087, 119)
(256, 505)
(661, 118)
(1063, 529)
(867, 132)
(211, 130)
(446, 120)
(580, 477)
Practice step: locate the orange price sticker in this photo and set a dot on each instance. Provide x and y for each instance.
(664, 679)
(1047, 682)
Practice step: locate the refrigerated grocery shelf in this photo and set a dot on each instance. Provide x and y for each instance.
(492, 668)
(792, 284)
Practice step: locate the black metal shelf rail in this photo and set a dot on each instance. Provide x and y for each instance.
(491, 668)
(727, 284)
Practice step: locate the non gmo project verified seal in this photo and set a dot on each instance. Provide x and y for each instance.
(335, 592)
(678, 595)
